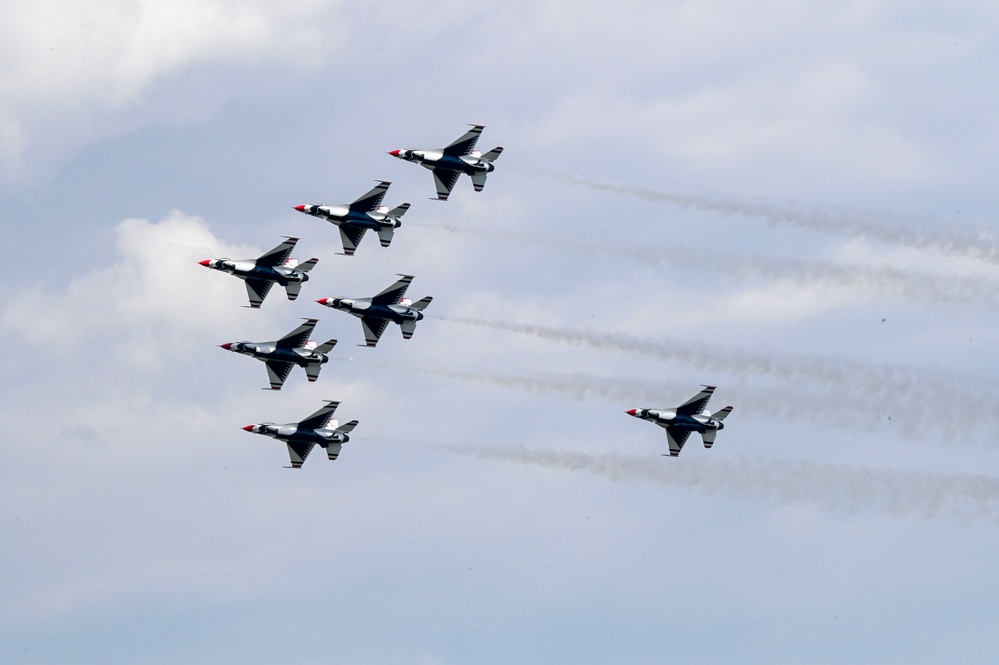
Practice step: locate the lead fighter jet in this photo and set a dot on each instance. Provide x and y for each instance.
(376, 312)
(302, 436)
(280, 356)
(459, 157)
(261, 274)
(354, 219)
(691, 416)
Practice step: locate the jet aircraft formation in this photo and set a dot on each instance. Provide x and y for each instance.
(352, 220)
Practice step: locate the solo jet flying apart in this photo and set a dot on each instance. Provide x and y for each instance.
(261, 274)
(302, 436)
(691, 416)
(354, 219)
(280, 356)
(376, 312)
(459, 157)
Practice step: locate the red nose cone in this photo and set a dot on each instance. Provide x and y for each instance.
(323, 301)
(395, 153)
(300, 208)
(248, 428)
(226, 346)
(205, 262)
(631, 412)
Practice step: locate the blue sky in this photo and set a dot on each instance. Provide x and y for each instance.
(793, 202)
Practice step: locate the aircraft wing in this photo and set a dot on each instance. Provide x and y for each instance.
(697, 403)
(256, 290)
(444, 179)
(465, 143)
(299, 336)
(676, 440)
(278, 255)
(372, 199)
(298, 452)
(373, 329)
(277, 372)
(393, 294)
(350, 236)
(320, 418)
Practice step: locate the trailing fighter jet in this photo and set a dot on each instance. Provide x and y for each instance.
(691, 416)
(459, 157)
(376, 312)
(260, 274)
(280, 356)
(355, 218)
(302, 436)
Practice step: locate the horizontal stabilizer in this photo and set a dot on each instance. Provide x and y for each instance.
(326, 347)
(293, 289)
(307, 266)
(422, 303)
(398, 211)
(709, 437)
(721, 415)
(492, 154)
(346, 428)
(479, 180)
(408, 328)
(385, 234)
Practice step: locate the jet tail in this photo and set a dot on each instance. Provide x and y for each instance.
(293, 289)
(385, 235)
(398, 211)
(422, 303)
(307, 266)
(492, 155)
(709, 437)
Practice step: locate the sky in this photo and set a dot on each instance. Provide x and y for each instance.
(793, 202)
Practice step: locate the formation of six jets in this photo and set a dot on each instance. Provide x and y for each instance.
(353, 220)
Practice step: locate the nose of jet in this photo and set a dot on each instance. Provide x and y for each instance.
(300, 208)
(206, 262)
(227, 346)
(248, 428)
(395, 153)
(323, 301)
(632, 412)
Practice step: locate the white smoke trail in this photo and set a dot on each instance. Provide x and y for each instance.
(913, 284)
(947, 237)
(783, 402)
(887, 386)
(828, 486)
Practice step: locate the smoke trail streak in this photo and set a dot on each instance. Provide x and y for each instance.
(828, 486)
(913, 284)
(878, 383)
(947, 237)
(780, 403)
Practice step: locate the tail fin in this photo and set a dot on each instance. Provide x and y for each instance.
(398, 211)
(308, 265)
(385, 235)
(422, 303)
(293, 289)
(721, 415)
(492, 155)
(709, 437)
(326, 347)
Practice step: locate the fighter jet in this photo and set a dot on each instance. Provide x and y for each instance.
(260, 274)
(302, 436)
(375, 313)
(355, 218)
(280, 356)
(459, 157)
(691, 416)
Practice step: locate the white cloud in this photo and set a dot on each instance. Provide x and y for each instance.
(75, 72)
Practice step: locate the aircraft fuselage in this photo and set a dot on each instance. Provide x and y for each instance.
(269, 351)
(365, 308)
